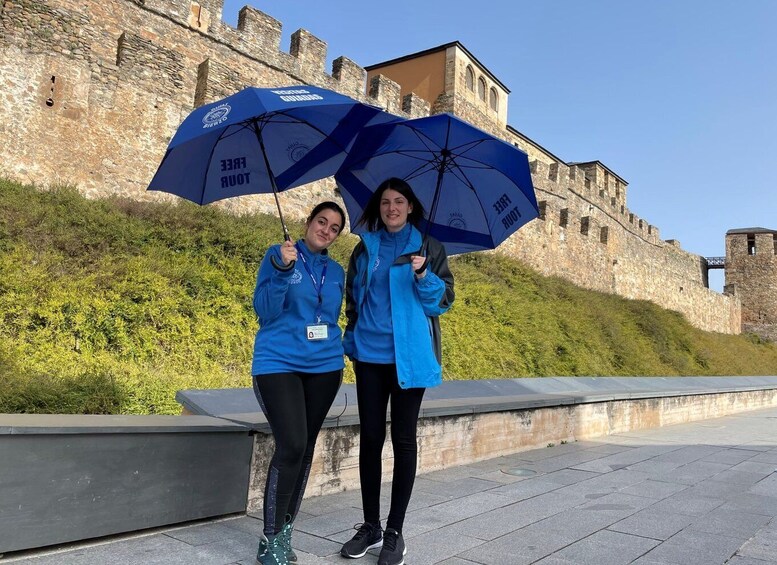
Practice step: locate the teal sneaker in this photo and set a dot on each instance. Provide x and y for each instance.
(272, 551)
(285, 536)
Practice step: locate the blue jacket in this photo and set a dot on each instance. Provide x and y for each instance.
(286, 302)
(415, 306)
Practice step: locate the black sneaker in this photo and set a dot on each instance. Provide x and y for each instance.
(393, 552)
(367, 536)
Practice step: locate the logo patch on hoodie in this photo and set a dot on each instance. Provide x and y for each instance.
(296, 278)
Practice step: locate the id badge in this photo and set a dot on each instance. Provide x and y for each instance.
(317, 331)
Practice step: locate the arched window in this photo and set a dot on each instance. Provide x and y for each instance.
(493, 99)
(482, 89)
(470, 78)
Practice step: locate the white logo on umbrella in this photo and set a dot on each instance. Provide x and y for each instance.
(216, 115)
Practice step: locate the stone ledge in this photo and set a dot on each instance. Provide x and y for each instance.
(481, 396)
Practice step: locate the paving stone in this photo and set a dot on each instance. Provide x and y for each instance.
(737, 560)
(433, 547)
(568, 460)
(726, 521)
(754, 503)
(457, 561)
(605, 483)
(528, 488)
(450, 512)
(148, 550)
(694, 472)
(521, 547)
(652, 523)
(319, 505)
(762, 545)
(654, 468)
(500, 476)
(314, 545)
(768, 486)
(616, 505)
(648, 561)
(331, 523)
(739, 477)
(575, 522)
(454, 489)
(716, 489)
(450, 474)
(766, 457)
(245, 524)
(696, 548)
(202, 534)
(654, 489)
(607, 548)
(732, 456)
(689, 454)
(569, 476)
(553, 560)
(498, 522)
(760, 468)
(688, 504)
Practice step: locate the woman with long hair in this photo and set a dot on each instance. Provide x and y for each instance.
(397, 287)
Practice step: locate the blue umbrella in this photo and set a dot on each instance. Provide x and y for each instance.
(476, 189)
(262, 140)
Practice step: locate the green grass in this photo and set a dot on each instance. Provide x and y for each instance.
(111, 306)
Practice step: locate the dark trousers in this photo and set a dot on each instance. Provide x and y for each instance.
(295, 405)
(376, 384)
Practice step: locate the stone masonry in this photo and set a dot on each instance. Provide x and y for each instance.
(751, 275)
(91, 93)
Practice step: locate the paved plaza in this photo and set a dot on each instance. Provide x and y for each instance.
(703, 493)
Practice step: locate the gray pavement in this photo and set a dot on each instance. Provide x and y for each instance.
(703, 493)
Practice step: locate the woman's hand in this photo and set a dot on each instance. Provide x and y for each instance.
(418, 263)
(288, 253)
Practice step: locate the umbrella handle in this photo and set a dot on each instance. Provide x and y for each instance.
(277, 264)
(422, 252)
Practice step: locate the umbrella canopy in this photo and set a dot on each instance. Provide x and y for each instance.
(476, 189)
(262, 140)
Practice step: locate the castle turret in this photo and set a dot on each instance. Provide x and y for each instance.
(751, 274)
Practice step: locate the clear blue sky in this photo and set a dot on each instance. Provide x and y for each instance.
(678, 97)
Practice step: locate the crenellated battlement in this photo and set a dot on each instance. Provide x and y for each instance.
(147, 42)
(584, 192)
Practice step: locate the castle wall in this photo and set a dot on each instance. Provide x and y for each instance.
(93, 91)
(585, 237)
(119, 77)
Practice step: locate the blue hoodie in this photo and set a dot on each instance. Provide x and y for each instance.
(416, 305)
(286, 303)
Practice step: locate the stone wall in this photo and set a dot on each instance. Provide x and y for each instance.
(93, 91)
(448, 441)
(586, 235)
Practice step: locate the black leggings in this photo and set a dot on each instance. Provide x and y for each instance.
(295, 405)
(375, 384)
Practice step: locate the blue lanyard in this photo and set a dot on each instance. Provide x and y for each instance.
(316, 286)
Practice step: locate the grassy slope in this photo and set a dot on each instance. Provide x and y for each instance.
(111, 306)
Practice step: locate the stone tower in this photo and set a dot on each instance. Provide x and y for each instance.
(751, 274)
(448, 78)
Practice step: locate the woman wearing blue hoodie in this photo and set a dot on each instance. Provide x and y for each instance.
(298, 365)
(394, 295)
